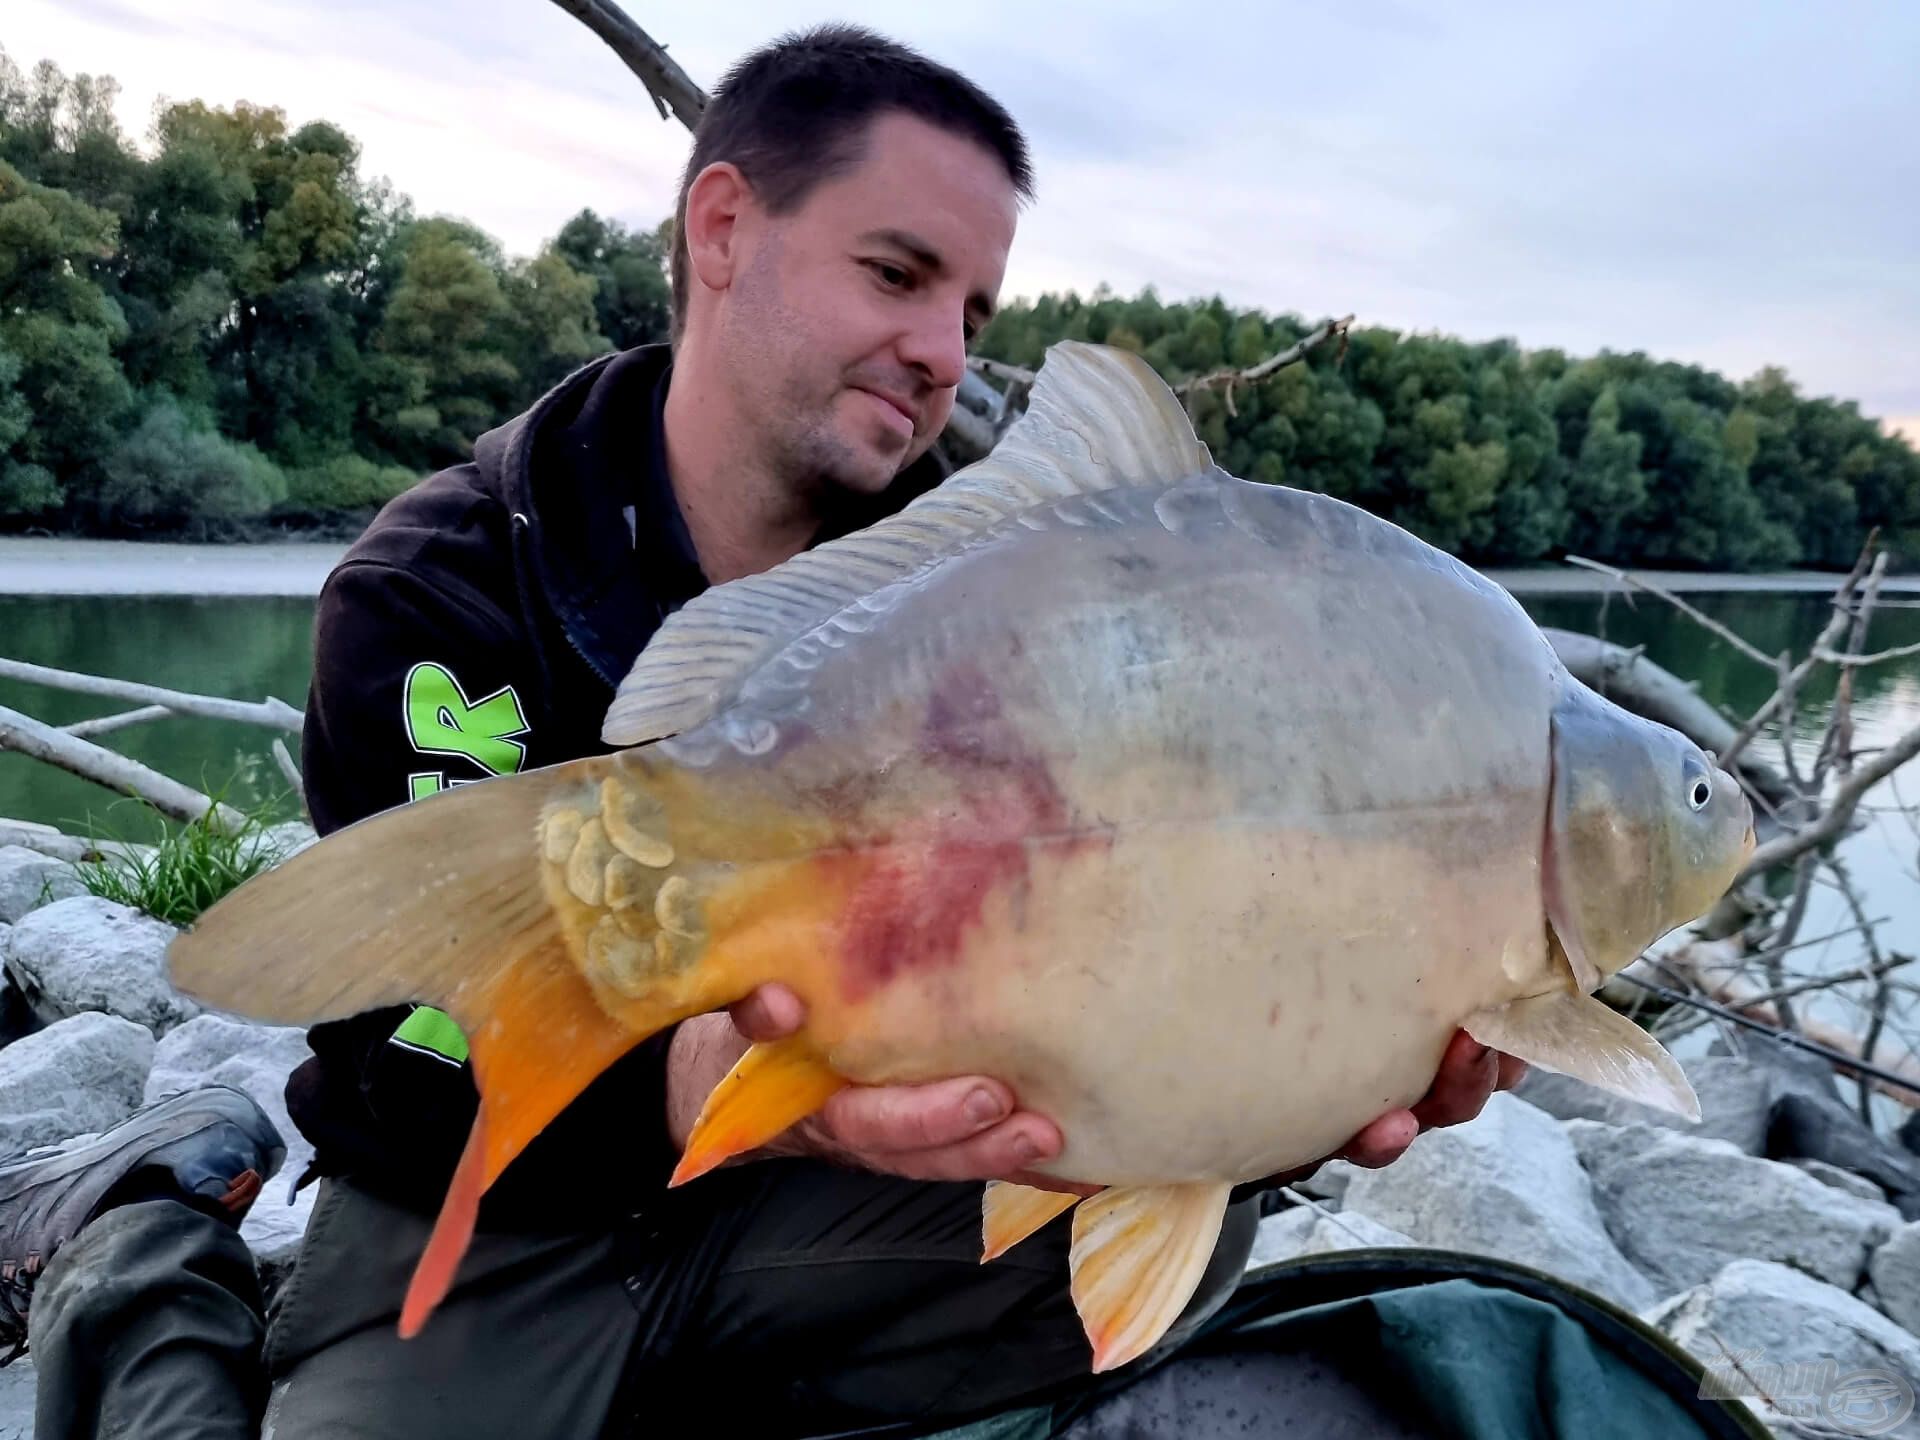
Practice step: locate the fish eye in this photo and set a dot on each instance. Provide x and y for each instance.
(1699, 792)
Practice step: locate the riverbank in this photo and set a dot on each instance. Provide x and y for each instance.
(137, 567)
(134, 567)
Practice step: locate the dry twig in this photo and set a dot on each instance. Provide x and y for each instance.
(672, 90)
(1746, 648)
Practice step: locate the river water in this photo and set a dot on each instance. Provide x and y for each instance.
(236, 621)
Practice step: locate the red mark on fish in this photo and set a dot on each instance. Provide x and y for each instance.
(920, 889)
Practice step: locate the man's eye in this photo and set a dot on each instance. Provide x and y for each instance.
(893, 275)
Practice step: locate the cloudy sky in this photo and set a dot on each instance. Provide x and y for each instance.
(1728, 183)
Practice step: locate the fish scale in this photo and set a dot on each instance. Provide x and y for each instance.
(1200, 812)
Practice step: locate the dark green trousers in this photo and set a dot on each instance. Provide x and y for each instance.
(798, 1300)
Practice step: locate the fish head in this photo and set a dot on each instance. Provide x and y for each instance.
(1644, 832)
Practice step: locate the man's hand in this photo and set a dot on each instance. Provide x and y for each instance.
(968, 1128)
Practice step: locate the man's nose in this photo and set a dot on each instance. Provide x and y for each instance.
(937, 347)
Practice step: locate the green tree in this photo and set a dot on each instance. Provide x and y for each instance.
(60, 329)
(552, 319)
(632, 301)
(174, 469)
(445, 336)
(1605, 488)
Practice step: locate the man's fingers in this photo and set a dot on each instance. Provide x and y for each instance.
(772, 1012)
(897, 1118)
(1001, 1152)
(1383, 1141)
(1460, 1089)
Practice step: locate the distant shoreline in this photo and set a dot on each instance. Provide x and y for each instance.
(296, 569)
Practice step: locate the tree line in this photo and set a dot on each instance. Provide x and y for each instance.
(233, 325)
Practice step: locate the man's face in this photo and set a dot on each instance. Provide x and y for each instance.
(847, 326)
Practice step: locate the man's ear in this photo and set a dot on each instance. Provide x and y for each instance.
(716, 201)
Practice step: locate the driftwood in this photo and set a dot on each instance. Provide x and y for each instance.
(271, 713)
(29, 737)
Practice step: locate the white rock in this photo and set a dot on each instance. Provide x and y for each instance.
(82, 1074)
(1736, 1097)
(1506, 1184)
(1838, 1178)
(288, 839)
(1682, 1208)
(219, 1050)
(1895, 1271)
(29, 880)
(1305, 1231)
(91, 954)
(16, 1400)
(1820, 1353)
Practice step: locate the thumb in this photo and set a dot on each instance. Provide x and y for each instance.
(772, 1012)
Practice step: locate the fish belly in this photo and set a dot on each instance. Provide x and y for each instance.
(1203, 1005)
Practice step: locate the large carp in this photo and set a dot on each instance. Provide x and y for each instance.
(1201, 812)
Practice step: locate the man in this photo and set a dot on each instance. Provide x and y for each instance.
(843, 229)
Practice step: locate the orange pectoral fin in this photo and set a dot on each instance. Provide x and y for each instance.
(545, 1039)
(770, 1088)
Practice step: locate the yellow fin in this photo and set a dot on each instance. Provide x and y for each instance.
(769, 1088)
(1577, 1035)
(420, 903)
(1138, 1253)
(1099, 418)
(1009, 1213)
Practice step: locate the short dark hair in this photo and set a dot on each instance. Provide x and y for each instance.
(794, 113)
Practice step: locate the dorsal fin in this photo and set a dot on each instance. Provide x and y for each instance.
(1099, 419)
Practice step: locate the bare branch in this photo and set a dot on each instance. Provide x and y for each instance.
(1878, 657)
(107, 724)
(288, 769)
(1751, 651)
(1840, 807)
(271, 713)
(1227, 380)
(1879, 967)
(670, 86)
(27, 736)
(1829, 636)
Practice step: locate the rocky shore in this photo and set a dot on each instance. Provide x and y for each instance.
(1779, 1229)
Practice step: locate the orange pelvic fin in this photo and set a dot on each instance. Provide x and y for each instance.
(770, 1088)
(1138, 1254)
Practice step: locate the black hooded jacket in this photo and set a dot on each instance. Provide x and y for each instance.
(479, 628)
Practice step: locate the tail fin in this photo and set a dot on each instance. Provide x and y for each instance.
(548, 913)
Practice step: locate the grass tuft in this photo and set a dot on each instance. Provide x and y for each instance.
(184, 872)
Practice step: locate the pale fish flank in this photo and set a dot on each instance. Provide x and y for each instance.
(1201, 811)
